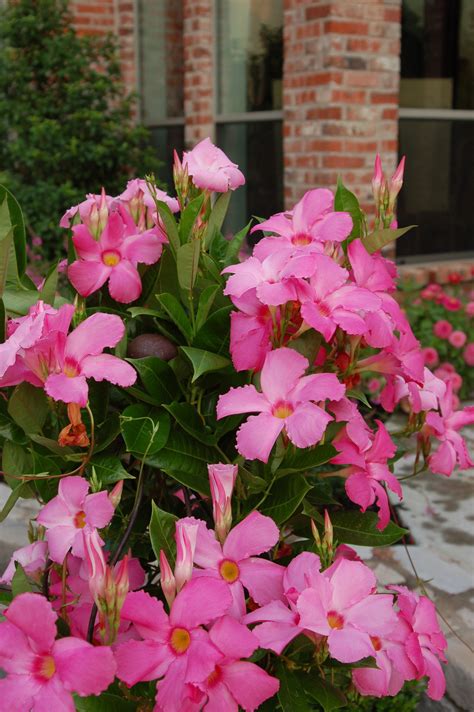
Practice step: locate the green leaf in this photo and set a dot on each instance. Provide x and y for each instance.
(169, 223)
(20, 490)
(212, 268)
(308, 344)
(351, 527)
(28, 406)
(158, 378)
(360, 396)
(6, 241)
(19, 234)
(206, 300)
(214, 335)
(144, 429)
(235, 245)
(188, 218)
(284, 498)
(109, 469)
(204, 361)
(346, 202)
(9, 430)
(107, 702)
(187, 261)
(378, 239)
(188, 418)
(291, 694)
(162, 528)
(20, 583)
(48, 290)
(177, 314)
(186, 460)
(328, 696)
(217, 217)
(307, 459)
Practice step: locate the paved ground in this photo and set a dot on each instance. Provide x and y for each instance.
(439, 512)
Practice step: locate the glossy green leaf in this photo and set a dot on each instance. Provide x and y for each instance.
(378, 239)
(360, 529)
(206, 300)
(204, 361)
(186, 460)
(188, 218)
(327, 695)
(291, 695)
(284, 498)
(162, 528)
(187, 261)
(109, 469)
(212, 268)
(48, 290)
(214, 335)
(308, 344)
(6, 242)
(235, 245)
(107, 702)
(360, 396)
(28, 406)
(144, 429)
(177, 314)
(307, 459)
(346, 202)
(20, 583)
(170, 225)
(157, 377)
(188, 418)
(217, 217)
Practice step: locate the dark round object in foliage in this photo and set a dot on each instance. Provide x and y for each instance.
(152, 345)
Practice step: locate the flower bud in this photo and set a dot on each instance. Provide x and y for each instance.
(328, 532)
(222, 480)
(396, 183)
(186, 535)
(116, 494)
(168, 581)
(96, 566)
(378, 180)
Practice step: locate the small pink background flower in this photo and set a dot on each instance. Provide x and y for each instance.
(470, 308)
(430, 356)
(457, 339)
(468, 354)
(442, 329)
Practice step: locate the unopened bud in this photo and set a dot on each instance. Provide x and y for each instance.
(396, 183)
(116, 494)
(328, 531)
(168, 581)
(222, 480)
(186, 535)
(315, 532)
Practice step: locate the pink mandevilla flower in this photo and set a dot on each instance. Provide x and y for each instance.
(31, 557)
(442, 329)
(457, 339)
(93, 212)
(66, 515)
(453, 449)
(114, 257)
(250, 332)
(285, 403)
(210, 169)
(430, 355)
(42, 673)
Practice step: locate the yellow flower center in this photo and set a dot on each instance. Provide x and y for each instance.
(335, 620)
(80, 520)
(229, 570)
(45, 667)
(111, 258)
(180, 640)
(282, 410)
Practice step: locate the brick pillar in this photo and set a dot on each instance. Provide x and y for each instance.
(340, 92)
(198, 39)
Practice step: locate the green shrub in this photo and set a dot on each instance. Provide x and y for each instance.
(66, 123)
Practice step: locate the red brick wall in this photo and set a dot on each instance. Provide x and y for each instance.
(341, 80)
(97, 17)
(198, 70)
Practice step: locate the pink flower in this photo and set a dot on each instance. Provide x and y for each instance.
(470, 308)
(449, 375)
(222, 480)
(425, 397)
(42, 673)
(374, 385)
(442, 329)
(274, 279)
(235, 682)
(186, 536)
(330, 302)
(31, 557)
(453, 448)
(92, 212)
(432, 291)
(451, 303)
(175, 647)
(250, 332)
(211, 169)
(236, 562)
(341, 605)
(306, 228)
(140, 203)
(457, 339)
(468, 354)
(114, 257)
(368, 472)
(66, 515)
(430, 356)
(426, 643)
(286, 402)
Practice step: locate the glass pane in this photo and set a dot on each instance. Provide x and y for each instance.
(438, 188)
(258, 150)
(161, 59)
(249, 55)
(165, 139)
(437, 57)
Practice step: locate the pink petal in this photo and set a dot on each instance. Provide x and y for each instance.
(443, 461)
(383, 447)
(208, 551)
(359, 490)
(60, 539)
(306, 426)
(18, 692)
(274, 294)
(246, 275)
(199, 602)
(87, 277)
(147, 614)
(249, 684)
(328, 277)
(276, 611)
(86, 247)
(280, 373)
(171, 690)
(53, 697)
(34, 616)
(93, 335)
(140, 661)
(112, 235)
(263, 579)
(313, 317)
(313, 205)
(82, 667)
(349, 645)
(252, 536)
(276, 636)
(125, 284)
(374, 614)
(245, 399)
(257, 436)
(298, 574)
(219, 698)
(312, 608)
(56, 512)
(99, 509)
(334, 227)
(232, 638)
(16, 654)
(69, 390)
(73, 490)
(436, 679)
(362, 582)
(318, 387)
(202, 657)
(349, 321)
(145, 249)
(106, 367)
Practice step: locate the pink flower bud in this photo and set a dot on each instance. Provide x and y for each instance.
(122, 583)
(222, 480)
(186, 535)
(96, 566)
(328, 531)
(396, 183)
(378, 180)
(168, 581)
(116, 494)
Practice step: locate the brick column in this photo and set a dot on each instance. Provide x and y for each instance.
(198, 39)
(340, 92)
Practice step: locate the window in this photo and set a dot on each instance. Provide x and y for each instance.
(249, 73)
(437, 125)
